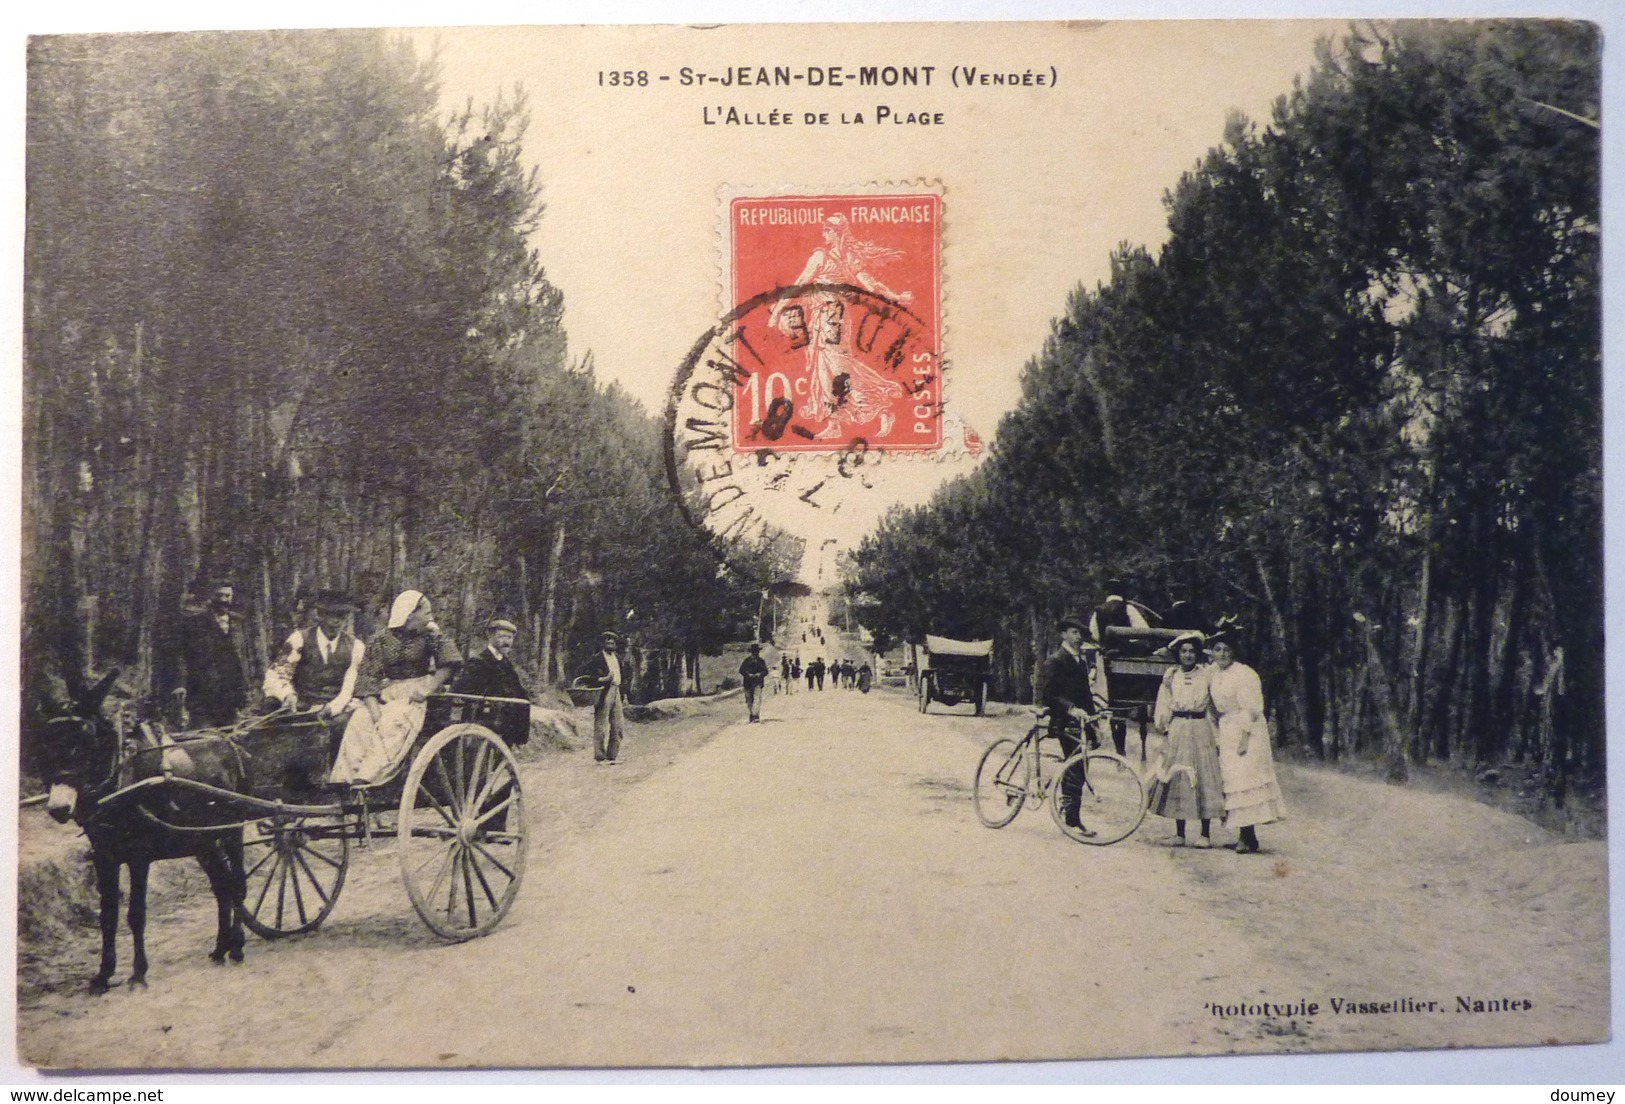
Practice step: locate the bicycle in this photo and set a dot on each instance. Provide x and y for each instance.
(1013, 772)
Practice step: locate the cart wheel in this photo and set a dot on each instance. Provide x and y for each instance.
(294, 870)
(462, 832)
(1112, 801)
(1002, 778)
(925, 692)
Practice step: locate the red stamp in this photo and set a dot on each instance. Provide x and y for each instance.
(848, 348)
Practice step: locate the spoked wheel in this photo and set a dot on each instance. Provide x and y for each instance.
(925, 693)
(462, 832)
(1111, 802)
(295, 868)
(1001, 782)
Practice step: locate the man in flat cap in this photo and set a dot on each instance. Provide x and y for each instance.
(1070, 701)
(607, 672)
(491, 673)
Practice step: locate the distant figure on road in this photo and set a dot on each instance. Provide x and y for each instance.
(211, 679)
(1252, 796)
(795, 673)
(607, 672)
(754, 673)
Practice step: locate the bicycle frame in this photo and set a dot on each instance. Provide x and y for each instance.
(1111, 793)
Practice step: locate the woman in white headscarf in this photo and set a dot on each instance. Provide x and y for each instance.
(403, 665)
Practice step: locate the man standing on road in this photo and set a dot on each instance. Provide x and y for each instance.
(754, 672)
(211, 683)
(608, 717)
(1067, 696)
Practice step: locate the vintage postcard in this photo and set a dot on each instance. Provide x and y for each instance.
(807, 545)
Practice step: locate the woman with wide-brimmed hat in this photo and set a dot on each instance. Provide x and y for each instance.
(403, 665)
(1185, 780)
(1252, 796)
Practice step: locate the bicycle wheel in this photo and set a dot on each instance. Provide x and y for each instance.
(1112, 799)
(1001, 782)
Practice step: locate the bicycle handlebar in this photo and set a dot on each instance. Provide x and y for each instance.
(1101, 713)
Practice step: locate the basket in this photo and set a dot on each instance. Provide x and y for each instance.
(581, 694)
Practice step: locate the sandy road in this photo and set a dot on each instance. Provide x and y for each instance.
(811, 889)
(817, 889)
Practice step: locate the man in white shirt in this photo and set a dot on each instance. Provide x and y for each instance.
(607, 672)
(317, 666)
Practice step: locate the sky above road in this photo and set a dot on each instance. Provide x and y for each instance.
(1045, 167)
(1041, 183)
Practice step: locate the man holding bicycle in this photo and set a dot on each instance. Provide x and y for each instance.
(1070, 701)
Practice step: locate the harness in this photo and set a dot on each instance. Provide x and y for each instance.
(127, 775)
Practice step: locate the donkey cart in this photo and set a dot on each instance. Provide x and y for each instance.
(453, 804)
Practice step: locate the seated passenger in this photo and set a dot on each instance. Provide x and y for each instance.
(403, 665)
(318, 665)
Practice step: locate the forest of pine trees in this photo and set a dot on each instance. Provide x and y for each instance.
(1354, 400)
(284, 326)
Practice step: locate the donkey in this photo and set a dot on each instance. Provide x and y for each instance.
(82, 758)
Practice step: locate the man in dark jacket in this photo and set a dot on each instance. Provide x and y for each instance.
(1112, 613)
(211, 682)
(754, 674)
(1070, 700)
(491, 673)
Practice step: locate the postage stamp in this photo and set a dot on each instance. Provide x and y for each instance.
(851, 350)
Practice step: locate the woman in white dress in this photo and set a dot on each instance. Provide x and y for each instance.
(1185, 779)
(1252, 796)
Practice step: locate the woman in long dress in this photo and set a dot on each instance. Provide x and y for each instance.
(403, 665)
(1185, 779)
(1252, 796)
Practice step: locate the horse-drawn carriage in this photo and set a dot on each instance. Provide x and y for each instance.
(1128, 673)
(952, 671)
(453, 803)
